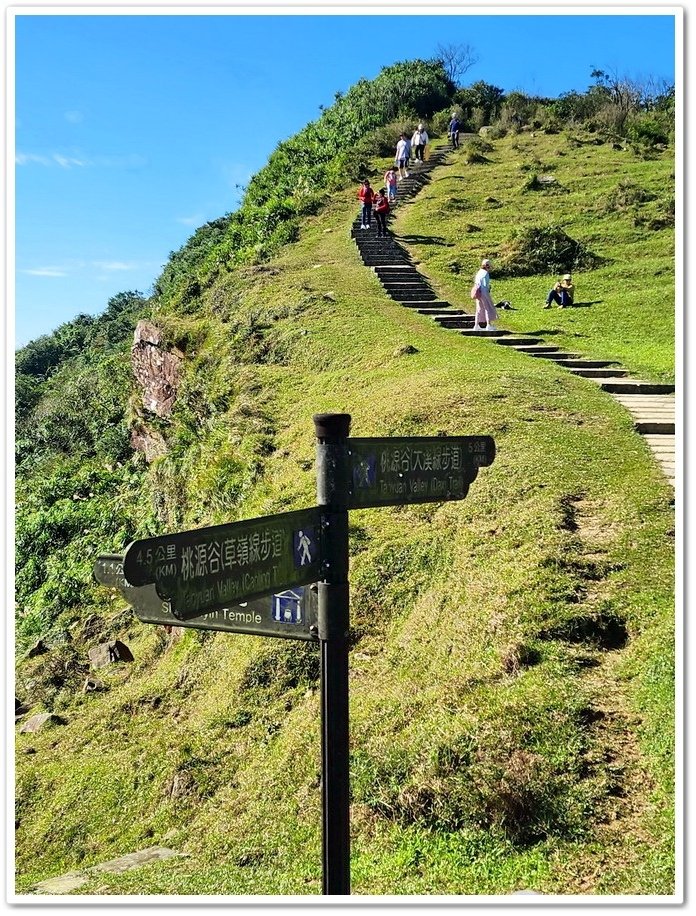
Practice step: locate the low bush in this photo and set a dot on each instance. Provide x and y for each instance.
(542, 250)
(625, 196)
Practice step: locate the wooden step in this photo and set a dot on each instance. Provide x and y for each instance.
(581, 363)
(531, 350)
(455, 324)
(655, 427)
(387, 270)
(420, 296)
(483, 333)
(607, 372)
(519, 341)
(417, 304)
(634, 386)
(441, 313)
(407, 283)
(555, 356)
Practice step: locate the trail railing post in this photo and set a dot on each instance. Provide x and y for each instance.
(333, 621)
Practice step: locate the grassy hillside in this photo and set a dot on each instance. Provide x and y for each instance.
(618, 205)
(512, 660)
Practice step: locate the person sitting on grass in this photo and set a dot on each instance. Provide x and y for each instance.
(562, 293)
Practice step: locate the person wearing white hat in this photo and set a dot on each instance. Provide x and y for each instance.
(481, 292)
(418, 141)
(562, 293)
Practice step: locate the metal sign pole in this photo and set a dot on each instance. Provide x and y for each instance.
(333, 618)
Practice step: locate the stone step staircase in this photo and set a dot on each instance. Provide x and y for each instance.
(651, 404)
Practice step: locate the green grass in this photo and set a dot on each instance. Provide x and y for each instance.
(632, 316)
(493, 748)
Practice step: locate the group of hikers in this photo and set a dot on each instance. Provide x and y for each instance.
(379, 203)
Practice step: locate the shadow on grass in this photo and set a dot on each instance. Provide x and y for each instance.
(426, 240)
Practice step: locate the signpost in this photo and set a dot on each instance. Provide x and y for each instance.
(286, 576)
(210, 568)
(290, 614)
(388, 472)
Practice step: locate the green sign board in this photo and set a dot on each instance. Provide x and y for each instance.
(396, 471)
(287, 575)
(218, 567)
(290, 614)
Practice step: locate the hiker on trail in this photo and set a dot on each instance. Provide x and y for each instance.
(562, 293)
(408, 149)
(366, 195)
(381, 210)
(453, 131)
(481, 292)
(390, 182)
(401, 160)
(419, 140)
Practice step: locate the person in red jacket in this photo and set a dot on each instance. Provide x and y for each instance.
(367, 196)
(381, 210)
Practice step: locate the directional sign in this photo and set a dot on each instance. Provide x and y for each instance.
(395, 471)
(290, 614)
(218, 567)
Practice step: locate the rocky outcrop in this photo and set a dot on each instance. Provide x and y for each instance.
(148, 441)
(39, 721)
(157, 370)
(108, 653)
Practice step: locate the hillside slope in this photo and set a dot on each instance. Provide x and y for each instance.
(512, 659)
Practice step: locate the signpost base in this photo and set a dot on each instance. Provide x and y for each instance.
(333, 614)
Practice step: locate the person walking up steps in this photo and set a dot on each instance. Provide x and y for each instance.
(390, 182)
(453, 131)
(381, 210)
(418, 141)
(481, 292)
(401, 160)
(367, 196)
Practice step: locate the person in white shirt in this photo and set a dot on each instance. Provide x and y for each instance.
(418, 141)
(481, 292)
(401, 160)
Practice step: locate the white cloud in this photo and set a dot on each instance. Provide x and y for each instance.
(67, 162)
(45, 272)
(74, 117)
(24, 158)
(77, 160)
(114, 265)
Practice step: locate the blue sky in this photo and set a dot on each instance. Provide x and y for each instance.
(133, 130)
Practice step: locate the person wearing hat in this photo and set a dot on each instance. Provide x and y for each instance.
(453, 131)
(419, 141)
(562, 293)
(481, 292)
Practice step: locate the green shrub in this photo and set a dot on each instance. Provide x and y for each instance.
(625, 196)
(542, 250)
(326, 154)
